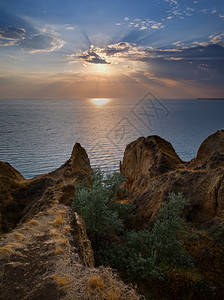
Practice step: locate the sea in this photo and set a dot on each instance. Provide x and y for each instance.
(37, 136)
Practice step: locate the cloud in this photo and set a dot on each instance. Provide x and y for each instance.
(199, 62)
(141, 24)
(42, 41)
(10, 36)
(70, 28)
(12, 33)
(91, 56)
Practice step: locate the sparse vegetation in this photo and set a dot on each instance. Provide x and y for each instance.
(9, 249)
(151, 254)
(146, 254)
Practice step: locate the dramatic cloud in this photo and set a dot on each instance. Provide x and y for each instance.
(12, 36)
(91, 56)
(204, 63)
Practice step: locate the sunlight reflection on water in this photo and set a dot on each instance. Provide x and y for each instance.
(37, 136)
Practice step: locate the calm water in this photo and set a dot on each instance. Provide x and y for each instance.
(37, 136)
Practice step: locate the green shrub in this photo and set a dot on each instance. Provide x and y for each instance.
(150, 254)
(98, 203)
(140, 254)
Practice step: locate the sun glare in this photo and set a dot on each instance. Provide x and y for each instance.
(100, 101)
(101, 68)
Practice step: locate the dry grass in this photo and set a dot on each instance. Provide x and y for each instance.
(54, 232)
(63, 241)
(62, 212)
(19, 236)
(95, 287)
(9, 249)
(14, 264)
(33, 222)
(6, 251)
(15, 245)
(67, 227)
(91, 283)
(58, 250)
(63, 282)
(57, 222)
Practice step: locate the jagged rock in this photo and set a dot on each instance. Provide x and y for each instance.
(6, 170)
(21, 198)
(50, 257)
(211, 153)
(147, 158)
(201, 180)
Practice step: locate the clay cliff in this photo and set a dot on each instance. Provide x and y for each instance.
(45, 252)
(50, 257)
(154, 170)
(21, 198)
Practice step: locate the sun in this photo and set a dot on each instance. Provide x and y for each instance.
(101, 68)
(100, 101)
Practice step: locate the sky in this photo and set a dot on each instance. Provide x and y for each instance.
(54, 49)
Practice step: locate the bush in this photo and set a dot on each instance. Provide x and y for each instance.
(140, 254)
(150, 254)
(98, 202)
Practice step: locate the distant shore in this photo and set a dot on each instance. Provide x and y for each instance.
(209, 98)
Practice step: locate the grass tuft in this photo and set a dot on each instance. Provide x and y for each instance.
(6, 251)
(62, 212)
(95, 286)
(62, 281)
(19, 236)
(57, 222)
(58, 250)
(33, 222)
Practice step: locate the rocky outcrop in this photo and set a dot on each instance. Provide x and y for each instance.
(147, 158)
(154, 170)
(211, 153)
(50, 257)
(21, 199)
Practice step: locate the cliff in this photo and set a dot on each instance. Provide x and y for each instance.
(48, 254)
(21, 198)
(45, 252)
(154, 170)
(50, 257)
